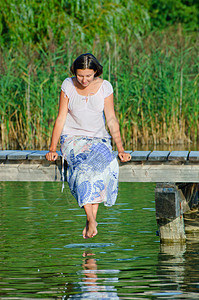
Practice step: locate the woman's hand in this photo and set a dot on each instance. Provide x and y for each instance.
(51, 155)
(124, 156)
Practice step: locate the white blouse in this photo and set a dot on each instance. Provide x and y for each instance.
(86, 113)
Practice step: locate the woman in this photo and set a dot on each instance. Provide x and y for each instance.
(92, 172)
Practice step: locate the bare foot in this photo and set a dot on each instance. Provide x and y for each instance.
(85, 230)
(90, 229)
(85, 254)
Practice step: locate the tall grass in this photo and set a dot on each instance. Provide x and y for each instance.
(155, 80)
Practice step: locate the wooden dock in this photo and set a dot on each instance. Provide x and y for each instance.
(145, 166)
(175, 173)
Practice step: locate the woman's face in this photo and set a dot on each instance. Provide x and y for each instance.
(85, 76)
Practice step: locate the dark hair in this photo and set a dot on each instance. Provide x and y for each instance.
(86, 61)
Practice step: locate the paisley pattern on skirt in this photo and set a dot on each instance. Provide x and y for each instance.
(92, 169)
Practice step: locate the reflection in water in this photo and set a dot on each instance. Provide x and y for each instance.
(178, 271)
(41, 248)
(91, 288)
(191, 275)
(170, 269)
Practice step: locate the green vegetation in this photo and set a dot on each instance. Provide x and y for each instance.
(154, 72)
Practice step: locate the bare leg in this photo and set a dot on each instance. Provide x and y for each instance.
(91, 212)
(95, 209)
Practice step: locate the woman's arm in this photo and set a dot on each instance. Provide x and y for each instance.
(113, 126)
(59, 124)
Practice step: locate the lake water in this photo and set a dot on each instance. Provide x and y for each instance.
(43, 254)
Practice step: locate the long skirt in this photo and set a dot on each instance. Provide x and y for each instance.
(92, 169)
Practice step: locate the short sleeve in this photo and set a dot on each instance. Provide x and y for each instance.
(66, 87)
(107, 88)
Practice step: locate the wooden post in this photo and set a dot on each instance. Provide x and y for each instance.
(190, 191)
(169, 201)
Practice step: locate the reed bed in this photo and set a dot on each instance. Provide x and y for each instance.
(155, 80)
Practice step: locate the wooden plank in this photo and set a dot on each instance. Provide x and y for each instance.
(140, 155)
(178, 155)
(41, 155)
(158, 156)
(194, 156)
(153, 172)
(37, 155)
(19, 154)
(4, 154)
(26, 170)
(43, 170)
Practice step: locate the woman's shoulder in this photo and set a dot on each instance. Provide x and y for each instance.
(67, 85)
(106, 81)
(107, 88)
(68, 81)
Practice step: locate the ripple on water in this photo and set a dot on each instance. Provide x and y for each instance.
(107, 271)
(43, 255)
(89, 245)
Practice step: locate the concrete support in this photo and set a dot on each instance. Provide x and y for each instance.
(172, 201)
(169, 201)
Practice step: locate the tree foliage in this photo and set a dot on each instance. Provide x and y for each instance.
(154, 73)
(168, 12)
(33, 21)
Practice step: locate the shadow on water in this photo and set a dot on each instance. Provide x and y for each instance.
(43, 254)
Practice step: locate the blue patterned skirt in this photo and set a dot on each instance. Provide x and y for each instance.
(92, 169)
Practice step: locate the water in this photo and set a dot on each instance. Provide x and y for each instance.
(43, 254)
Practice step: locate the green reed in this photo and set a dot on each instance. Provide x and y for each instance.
(155, 80)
